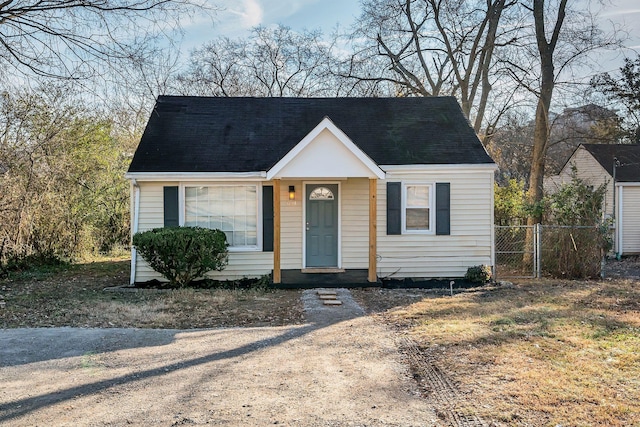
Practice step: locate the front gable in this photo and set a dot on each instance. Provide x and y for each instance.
(325, 152)
(588, 167)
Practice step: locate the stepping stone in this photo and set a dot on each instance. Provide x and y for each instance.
(331, 302)
(327, 297)
(327, 292)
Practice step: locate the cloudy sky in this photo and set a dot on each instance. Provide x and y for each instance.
(244, 14)
(239, 16)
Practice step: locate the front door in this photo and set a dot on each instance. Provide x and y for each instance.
(321, 225)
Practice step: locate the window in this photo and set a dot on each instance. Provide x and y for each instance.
(417, 208)
(232, 209)
(321, 193)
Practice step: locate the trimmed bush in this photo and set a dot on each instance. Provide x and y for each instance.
(478, 274)
(183, 254)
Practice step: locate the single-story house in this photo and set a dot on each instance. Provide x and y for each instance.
(617, 166)
(363, 188)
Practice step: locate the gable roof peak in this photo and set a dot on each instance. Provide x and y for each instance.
(625, 156)
(327, 124)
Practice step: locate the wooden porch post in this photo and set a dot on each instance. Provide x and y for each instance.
(373, 228)
(276, 231)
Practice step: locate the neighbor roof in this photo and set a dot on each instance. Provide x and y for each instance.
(207, 134)
(628, 156)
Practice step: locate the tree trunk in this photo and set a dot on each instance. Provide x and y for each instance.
(541, 131)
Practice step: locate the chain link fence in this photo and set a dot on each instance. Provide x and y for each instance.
(548, 250)
(515, 252)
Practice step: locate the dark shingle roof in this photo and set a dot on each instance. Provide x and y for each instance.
(202, 134)
(627, 154)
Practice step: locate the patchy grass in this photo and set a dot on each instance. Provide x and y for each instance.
(541, 353)
(73, 295)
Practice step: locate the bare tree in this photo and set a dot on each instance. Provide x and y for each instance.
(561, 41)
(271, 62)
(434, 47)
(546, 48)
(63, 187)
(75, 39)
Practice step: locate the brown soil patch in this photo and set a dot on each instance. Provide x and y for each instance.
(75, 296)
(326, 366)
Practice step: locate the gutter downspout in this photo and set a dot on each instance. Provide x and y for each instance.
(134, 227)
(620, 217)
(493, 226)
(616, 247)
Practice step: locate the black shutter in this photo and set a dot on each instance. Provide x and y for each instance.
(267, 218)
(394, 208)
(443, 208)
(171, 215)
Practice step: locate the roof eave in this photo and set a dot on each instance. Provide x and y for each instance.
(196, 176)
(458, 168)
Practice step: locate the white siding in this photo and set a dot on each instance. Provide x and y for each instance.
(151, 215)
(590, 171)
(398, 256)
(630, 220)
(355, 223)
(291, 226)
(431, 256)
(151, 212)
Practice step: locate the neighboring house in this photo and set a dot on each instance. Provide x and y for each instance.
(594, 164)
(355, 188)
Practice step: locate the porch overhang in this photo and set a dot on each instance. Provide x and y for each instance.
(325, 152)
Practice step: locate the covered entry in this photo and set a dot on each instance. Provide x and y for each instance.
(323, 159)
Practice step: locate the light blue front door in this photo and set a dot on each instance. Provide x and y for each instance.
(321, 225)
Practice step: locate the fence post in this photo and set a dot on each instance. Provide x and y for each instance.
(538, 251)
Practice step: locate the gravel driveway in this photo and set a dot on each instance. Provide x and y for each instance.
(340, 368)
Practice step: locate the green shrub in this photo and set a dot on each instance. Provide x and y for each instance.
(575, 250)
(510, 207)
(37, 263)
(182, 254)
(478, 274)
(575, 203)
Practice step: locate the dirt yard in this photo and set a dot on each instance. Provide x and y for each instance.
(264, 357)
(338, 368)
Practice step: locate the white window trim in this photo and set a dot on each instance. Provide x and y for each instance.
(432, 216)
(182, 211)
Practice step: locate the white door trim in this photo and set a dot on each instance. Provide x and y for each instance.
(304, 219)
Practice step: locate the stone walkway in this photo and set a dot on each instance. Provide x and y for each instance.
(315, 311)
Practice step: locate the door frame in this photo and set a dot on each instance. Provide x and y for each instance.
(304, 219)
